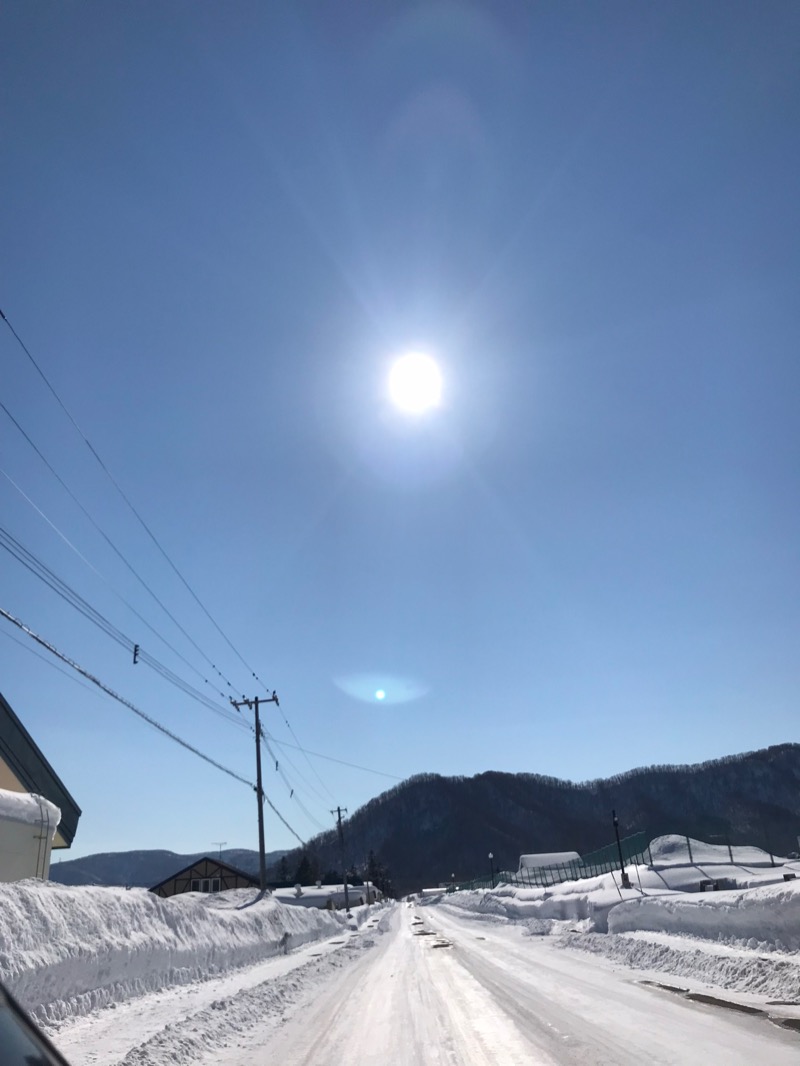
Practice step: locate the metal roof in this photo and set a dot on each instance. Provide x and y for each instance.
(27, 764)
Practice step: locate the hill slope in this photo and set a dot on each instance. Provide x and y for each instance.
(431, 826)
(143, 869)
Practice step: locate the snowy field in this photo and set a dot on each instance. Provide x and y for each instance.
(580, 974)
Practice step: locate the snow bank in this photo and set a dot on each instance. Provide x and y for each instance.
(587, 901)
(676, 850)
(697, 962)
(657, 899)
(66, 950)
(767, 918)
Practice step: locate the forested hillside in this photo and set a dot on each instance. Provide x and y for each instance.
(430, 826)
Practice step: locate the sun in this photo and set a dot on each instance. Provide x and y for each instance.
(415, 383)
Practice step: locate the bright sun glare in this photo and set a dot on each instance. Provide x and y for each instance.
(415, 383)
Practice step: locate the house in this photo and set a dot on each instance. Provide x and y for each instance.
(37, 813)
(205, 875)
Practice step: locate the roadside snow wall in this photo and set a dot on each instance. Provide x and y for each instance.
(67, 950)
(764, 918)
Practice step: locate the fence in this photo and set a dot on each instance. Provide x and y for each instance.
(634, 850)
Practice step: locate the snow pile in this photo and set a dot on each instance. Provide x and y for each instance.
(766, 918)
(67, 950)
(697, 962)
(676, 850)
(587, 901)
(28, 808)
(657, 898)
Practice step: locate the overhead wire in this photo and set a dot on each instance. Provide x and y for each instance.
(48, 577)
(143, 715)
(117, 552)
(49, 662)
(154, 539)
(121, 699)
(291, 788)
(341, 762)
(296, 746)
(40, 570)
(121, 492)
(313, 768)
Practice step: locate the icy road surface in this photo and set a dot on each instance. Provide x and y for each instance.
(427, 987)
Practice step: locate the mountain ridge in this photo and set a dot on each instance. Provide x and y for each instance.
(431, 826)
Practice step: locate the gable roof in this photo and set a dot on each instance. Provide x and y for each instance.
(216, 862)
(23, 768)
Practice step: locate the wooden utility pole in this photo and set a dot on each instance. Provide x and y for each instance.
(338, 813)
(262, 859)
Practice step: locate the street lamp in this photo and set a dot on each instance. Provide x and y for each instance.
(625, 879)
(452, 882)
(491, 867)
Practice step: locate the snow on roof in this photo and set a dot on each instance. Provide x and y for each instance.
(28, 808)
(552, 858)
(35, 775)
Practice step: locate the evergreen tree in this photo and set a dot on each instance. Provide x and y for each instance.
(305, 872)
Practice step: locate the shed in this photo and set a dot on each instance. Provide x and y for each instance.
(205, 875)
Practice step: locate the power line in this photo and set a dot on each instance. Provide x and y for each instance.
(49, 662)
(119, 489)
(313, 768)
(116, 550)
(121, 699)
(291, 788)
(141, 714)
(341, 762)
(154, 539)
(74, 599)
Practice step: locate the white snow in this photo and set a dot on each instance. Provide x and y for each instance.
(551, 858)
(324, 896)
(28, 808)
(67, 950)
(124, 977)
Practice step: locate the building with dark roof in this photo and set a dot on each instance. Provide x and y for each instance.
(205, 875)
(23, 768)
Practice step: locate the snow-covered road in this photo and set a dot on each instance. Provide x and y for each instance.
(448, 990)
(427, 986)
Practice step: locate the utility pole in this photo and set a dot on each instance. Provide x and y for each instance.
(262, 860)
(338, 813)
(625, 879)
(219, 844)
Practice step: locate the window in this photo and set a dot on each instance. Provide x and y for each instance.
(195, 885)
(215, 885)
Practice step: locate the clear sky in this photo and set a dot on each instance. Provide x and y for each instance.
(220, 225)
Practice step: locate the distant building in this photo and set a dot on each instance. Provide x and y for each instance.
(205, 875)
(37, 813)
(328, 897)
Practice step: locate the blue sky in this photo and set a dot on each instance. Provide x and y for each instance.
(222, 223)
